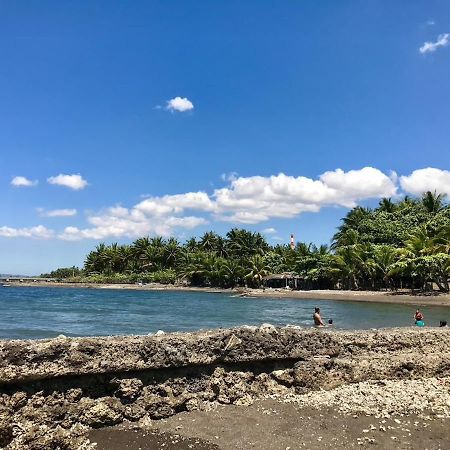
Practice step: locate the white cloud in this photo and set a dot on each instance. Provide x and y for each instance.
(75, 181)
(180, 104)
(430, 22)
(155, 215)
(229, 176)
(429, 47)
(23, 182)
(170, 204)
(255, 199)
(428, 179)
(39, 232)
(245, 200)
(57, 212)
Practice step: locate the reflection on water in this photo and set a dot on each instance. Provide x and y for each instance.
(33, 313)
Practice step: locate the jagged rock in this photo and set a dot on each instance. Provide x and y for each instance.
(18, 400)
(268, 328)
(102, 414)
(233, 342)
(145, 422)
(53, 386)
(74, 395)
(6, 432)
(283, 376)
(128, 388)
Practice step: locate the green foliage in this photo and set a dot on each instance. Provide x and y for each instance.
(63, 273)
(398, 244)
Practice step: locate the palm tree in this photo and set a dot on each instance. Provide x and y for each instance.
(171, 251)
(347, 266)
(419, 243)
(433, 202)
(191, 244)
(350, 226)
(384, 256)
(208, 241)
(231, 272)
(387, 205)
(140, 248)
(442, 239)
(256, 271)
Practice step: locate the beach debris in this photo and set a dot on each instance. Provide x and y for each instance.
(159, 333)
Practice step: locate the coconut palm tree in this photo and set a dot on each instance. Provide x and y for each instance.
(347, 265)
(208, 242)
(387, 205)
(231, 272)
(170, 252)
(433, 202)
(256, 270)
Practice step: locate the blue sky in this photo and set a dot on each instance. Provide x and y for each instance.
(128, 118)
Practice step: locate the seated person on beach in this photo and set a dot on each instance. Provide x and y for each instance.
(317, 319)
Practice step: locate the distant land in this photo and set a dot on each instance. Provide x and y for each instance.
(9, 275)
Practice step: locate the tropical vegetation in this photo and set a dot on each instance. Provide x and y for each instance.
(397, 245)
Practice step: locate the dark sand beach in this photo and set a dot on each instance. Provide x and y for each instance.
(270, 425)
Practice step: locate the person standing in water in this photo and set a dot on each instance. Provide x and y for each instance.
(317, 318)
(418, 319)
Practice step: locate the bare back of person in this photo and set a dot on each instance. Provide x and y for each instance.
(317, 318)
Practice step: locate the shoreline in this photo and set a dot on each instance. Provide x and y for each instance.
(400, 297)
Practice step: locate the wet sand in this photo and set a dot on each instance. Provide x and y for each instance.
(272, 425)
(434, 298)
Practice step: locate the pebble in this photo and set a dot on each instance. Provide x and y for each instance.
(390, 397)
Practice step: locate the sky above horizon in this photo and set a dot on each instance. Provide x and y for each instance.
(122, 119)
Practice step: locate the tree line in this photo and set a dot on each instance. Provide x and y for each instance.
(398, 244)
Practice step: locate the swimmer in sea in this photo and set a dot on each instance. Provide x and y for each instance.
(317, 319)
(418, 316)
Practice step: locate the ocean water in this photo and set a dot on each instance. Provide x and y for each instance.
(43, 312)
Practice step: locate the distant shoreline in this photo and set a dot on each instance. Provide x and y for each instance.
(405, 298)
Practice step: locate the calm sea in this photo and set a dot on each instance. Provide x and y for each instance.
(34, 313)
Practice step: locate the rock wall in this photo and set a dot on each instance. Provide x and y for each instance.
(52, 391)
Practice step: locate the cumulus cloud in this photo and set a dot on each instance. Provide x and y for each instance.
(119, 222)
(429, 47)
(243, 200)
(180, 104)
(255, 199)
(75, 181)
(428, 179)
(23, 182)
(57, 212)
(39, 232)
(154, 215)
